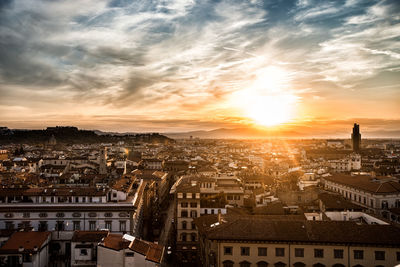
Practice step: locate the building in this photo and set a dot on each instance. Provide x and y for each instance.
(356, 138)
(187, 195)
(351, 162)
(68, 209)
(373, 193)
(117, 251)
(260, 241)
(84, 247)
(26, 249)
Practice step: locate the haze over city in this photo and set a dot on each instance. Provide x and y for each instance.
(300, 68)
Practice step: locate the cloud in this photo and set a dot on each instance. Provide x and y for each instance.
(184, 59)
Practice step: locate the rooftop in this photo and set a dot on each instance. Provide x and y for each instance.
(378, 185)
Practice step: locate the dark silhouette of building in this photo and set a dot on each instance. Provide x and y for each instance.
(356, 138)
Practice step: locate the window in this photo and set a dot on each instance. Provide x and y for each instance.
(83, 199)
(372, 202)
(358, 254)
(244, 264)
(262, 264)
(122, 226)
(398, 256)
(380, 255)
(338, 253)
(9, 225)
(83, 252)
(193, 204)
(299, 252)
(262, 251)
(279, 252)
(43, 226)
(227, 263)
(108, 225)
(318, 253)
(184, 204)
(184, 213)
(183, 237)
(92, 225)
(228, 250)
(60, 226)
(193, 225)
(184, 225)
(77, 225)
(193, 236)
(26, 215)
(129, 254)
(245, 251)
(193, 214)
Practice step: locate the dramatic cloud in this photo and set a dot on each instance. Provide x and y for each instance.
(132, 65)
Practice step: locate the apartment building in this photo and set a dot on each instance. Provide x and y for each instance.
(228, 241)
(68, 209)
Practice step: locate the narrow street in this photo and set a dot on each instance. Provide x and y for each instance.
(166, 233)
(167, 224)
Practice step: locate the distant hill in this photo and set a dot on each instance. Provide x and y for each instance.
(73, 135)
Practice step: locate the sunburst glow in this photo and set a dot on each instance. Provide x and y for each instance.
(267, 101)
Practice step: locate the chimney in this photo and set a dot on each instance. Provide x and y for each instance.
(219, 216)
(35, 248)
(20, 249)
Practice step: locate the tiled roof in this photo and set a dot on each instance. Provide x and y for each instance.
(254, 228)
(152, 252)
(379, 185)
(89, 236)
(115, 241)
(28, 240)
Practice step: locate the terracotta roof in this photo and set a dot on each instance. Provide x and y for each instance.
(378, 185)
(152, 252)
(27, 240)
(115, 241)
(254, 228)
(139, 246)
(89, 236)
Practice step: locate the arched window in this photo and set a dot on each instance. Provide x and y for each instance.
(227, 263)
(280, 264)
(184, 225)
(338, 265)
(244, 264)
(262, 264)
(299, 264)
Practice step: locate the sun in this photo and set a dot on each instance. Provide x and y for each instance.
(267, 100)
(269, 110)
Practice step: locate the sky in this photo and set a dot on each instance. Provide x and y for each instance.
(169, 66)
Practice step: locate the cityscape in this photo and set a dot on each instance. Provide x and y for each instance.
(188, 133)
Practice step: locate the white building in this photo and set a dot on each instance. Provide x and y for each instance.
(118, 251)
(373, 193)
(350, 163)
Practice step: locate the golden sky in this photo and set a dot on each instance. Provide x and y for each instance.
(186, 65)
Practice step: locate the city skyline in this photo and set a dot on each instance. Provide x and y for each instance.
(295, 67)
